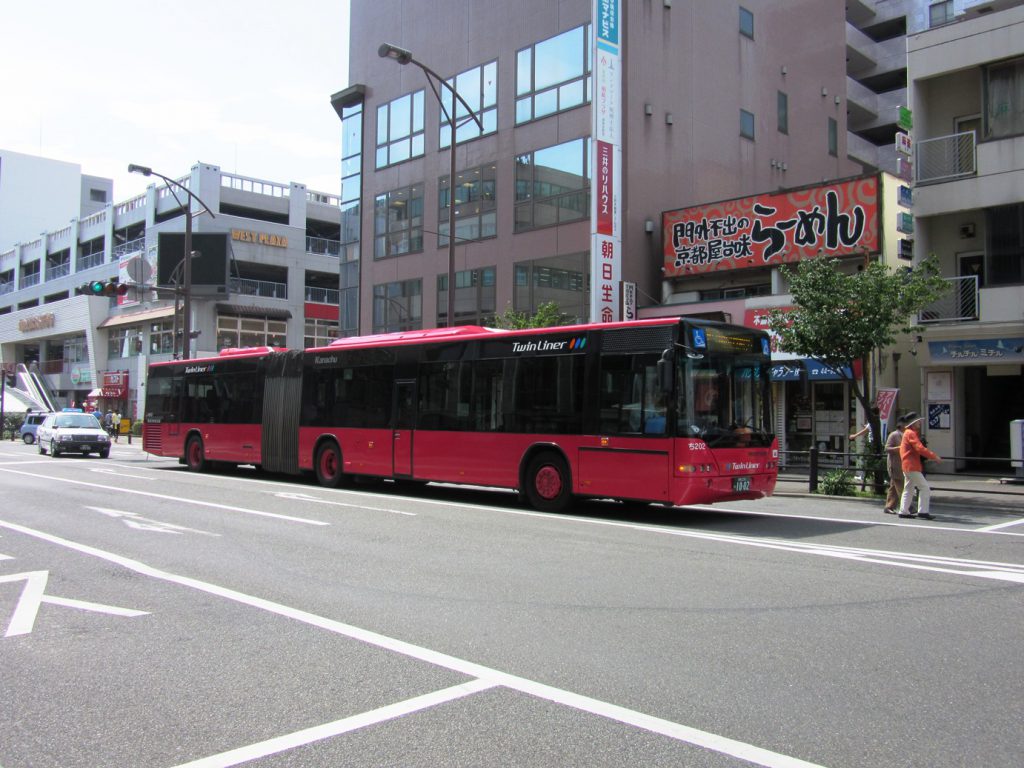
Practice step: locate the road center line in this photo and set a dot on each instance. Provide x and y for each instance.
(226, 507)
(677, 731)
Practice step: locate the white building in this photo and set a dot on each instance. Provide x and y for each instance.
(967, 94)
(37, 193)
(280, 286)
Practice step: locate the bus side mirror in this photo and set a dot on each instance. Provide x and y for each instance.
(666, 370)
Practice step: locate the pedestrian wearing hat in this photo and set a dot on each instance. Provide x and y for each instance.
(894, 465)
(912, 450)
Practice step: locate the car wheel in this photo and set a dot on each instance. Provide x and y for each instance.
(28, 438)
(53, 449)
(548, 485)
(105, 454)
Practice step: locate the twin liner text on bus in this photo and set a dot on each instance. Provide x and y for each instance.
(675, 411)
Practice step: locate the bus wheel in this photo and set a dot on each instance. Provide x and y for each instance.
(194, 459)
(548, 486)
(328, 465)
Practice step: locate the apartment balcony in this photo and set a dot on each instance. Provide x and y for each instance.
(27, 281)
(323, 295)
(945, 158)
(83, 263)
(967, 302)
(123, 249)
(53, 271)
(960, 304)
(958, 173)
(323, 247)
(263, 288)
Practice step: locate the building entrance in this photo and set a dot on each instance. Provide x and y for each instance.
(990, 403)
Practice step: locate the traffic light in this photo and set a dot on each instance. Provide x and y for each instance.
(99, 288)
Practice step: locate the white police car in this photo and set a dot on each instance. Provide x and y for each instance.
(72, 433)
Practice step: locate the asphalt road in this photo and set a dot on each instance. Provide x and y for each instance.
(153, 617)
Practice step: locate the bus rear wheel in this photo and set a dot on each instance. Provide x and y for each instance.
(194, 457)
(328, 465)
(548, 485)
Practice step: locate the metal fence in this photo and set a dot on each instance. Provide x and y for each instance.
(838, 460)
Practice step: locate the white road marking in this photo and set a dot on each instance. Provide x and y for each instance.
(1010, 524)
(32, 596)
(677, 731)
(338, 727)
(849, 520)
(315, 500)
(133, 520)
(109, 471)
(164, 497)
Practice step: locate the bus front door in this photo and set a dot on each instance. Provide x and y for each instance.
(405, 420)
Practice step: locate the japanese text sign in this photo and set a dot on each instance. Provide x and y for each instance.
(829, 220)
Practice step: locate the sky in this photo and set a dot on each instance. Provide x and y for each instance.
(241, 84)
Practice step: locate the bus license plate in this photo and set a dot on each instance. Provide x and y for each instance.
(741, 483)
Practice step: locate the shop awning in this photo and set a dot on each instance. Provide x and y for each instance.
(134, 318)
(794, 370)
(250, 310)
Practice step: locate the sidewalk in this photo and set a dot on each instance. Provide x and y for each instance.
(962, 490)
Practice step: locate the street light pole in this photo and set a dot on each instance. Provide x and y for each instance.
(186, 292)
(402, 56)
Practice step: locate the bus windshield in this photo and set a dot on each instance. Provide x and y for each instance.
(725, 400)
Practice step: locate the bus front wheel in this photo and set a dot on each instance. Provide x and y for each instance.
(328, 465)
(194, 458)
(548, 485)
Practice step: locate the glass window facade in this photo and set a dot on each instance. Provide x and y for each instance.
(553, 185)
(124, 342)
(1004, 100)
(478, 87)
(351, 227)
(398, 306)
(319, 333)
(235, 331)
(400, 129)
(161, 338)
(476, 202)
(746, 124)
(1005, 247)
(783, 112)
(940, 13)
(746, 23)
(833, 137)
(475, 298)
(564, 280)
(553, 75)
(398, 222)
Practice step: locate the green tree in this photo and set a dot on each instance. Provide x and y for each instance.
(839, 318)
(546, 316)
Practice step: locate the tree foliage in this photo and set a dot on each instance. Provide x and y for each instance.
(546, 316)
(839, 318)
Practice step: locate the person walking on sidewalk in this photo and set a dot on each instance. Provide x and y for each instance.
(894, 465)
(911, 452)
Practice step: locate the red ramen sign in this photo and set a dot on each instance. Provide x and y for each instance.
(829, 220)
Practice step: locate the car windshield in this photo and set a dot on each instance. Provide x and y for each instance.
(76, 421)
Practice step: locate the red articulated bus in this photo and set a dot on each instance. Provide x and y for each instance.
(674, 411)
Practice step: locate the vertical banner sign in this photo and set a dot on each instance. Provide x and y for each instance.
(606, 162)
(628, 300)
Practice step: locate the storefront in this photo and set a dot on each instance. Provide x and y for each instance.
(972, 389)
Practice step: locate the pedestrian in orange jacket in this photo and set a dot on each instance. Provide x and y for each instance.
(911, 452)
